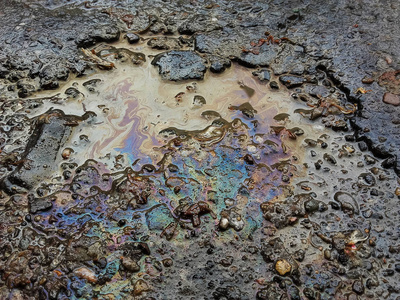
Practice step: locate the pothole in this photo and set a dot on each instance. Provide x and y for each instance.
(133, 186)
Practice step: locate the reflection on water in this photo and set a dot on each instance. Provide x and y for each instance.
(171, 184)
(133, 105)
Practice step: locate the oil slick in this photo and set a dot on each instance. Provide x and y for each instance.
(189, 177)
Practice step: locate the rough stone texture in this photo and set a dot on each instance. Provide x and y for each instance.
(42, 148)
(218, 64)
(392, 99)
(46, 138)
(292, 81)
(164, 43)
(40, 47)
(180, 65)
(132, 38)
(262, 74)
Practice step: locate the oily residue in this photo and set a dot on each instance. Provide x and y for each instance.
(186, 186)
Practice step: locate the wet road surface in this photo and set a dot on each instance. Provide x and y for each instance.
(199, 152)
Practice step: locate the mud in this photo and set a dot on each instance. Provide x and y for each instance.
(199, 150)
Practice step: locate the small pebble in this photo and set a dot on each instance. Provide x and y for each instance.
(132, 38)
(283, 267)
(274, 85)
(392, 99)
(66, 153)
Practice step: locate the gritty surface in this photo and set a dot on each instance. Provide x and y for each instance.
(247, 207)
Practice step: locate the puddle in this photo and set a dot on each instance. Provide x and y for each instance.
(132, 105)
(189, 184)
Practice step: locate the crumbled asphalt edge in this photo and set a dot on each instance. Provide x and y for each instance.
(50, 131)
(350, 40)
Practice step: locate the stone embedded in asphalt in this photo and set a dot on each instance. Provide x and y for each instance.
(274, 85)
(164, 43)
(283, 267)
(48, 136)
(39, 204)
(262, 74)
(132, 38)
(51, 73)
(101, 33)
(392, 99)
(141, 286)
(180, 65)
(367, 80)
(317, 90)
(218, 64)
(291, 81)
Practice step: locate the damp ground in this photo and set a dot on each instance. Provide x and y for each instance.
(148, 177)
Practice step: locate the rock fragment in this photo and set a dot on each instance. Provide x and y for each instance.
(291, 81)
(262, 74)
(48, 136)
(283, 267)
(130, 265)
(218, 64)
(164, 43)
(132, 38)
(87, 274)
(141, 286)
(392, 99)
(180, 65)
